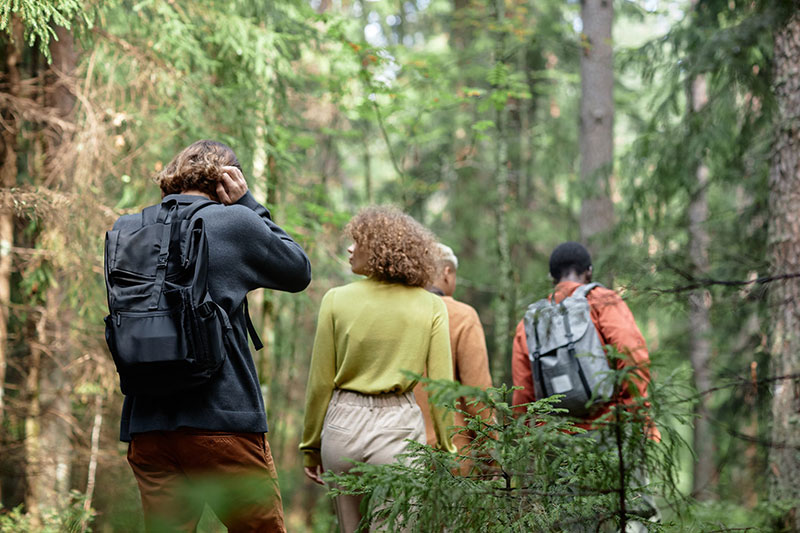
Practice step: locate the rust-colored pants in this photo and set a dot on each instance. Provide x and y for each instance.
(180, 471)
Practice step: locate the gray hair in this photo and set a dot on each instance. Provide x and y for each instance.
(446, 255)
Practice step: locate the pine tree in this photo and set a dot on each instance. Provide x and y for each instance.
(785, 254)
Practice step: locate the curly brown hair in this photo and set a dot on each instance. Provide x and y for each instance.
(399, 249)
(197, 167)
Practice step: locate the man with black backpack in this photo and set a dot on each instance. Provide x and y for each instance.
(177, 276)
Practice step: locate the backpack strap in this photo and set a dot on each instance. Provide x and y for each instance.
(534, 354)
(165, 211)
(149, 214)
(186, 214)
(571, 346)
(584, 290)
(191, 210)
(165, 216)
(251, 329)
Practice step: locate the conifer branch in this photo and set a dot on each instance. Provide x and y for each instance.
(695, 283)
(741, 381)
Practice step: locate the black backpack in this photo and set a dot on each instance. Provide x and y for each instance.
(164, 331)
(566, 354)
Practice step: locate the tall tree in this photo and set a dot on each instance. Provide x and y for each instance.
(596, 118)
(49, 442)
(784, 239)
(35, 111)
(505, 299)
(10, 79)
(699, 308)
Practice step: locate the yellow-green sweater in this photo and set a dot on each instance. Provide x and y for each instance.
(368, 332)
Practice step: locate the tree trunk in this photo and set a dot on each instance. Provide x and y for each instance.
(596, 119)
(35, 329)
(62, 101)
(505, 299)
(401, 26)
(366, 125)
(784, 245)
(699, 316)
(48, 440)
(51, 443)
(91, 477)
(8, 179)
(461, 29)
(524, 192)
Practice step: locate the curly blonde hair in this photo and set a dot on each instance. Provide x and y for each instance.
(399, 249)
(197, 167)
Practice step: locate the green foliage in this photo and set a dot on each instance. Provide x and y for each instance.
(536, 471)
(323, 517)
(532, 471)
(73, 518)
(38, 18)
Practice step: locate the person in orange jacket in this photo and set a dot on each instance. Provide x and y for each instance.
(571, 267)
(468, 347)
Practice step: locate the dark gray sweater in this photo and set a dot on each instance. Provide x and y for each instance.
(246, 251)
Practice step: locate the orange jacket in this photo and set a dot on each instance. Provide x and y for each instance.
(470, 364)
(616, 326)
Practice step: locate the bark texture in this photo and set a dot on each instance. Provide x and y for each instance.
(48, 430)
(699, 316)
(48, 439)
(461, 31)
(506, 299)
(10, 77)
(784, 245)
(91, 477)
(596, 118)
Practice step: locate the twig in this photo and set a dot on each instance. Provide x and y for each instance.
(698, 283)
(623, 519)
(741, 382)
(385, 135)
(756, 440)
(731, 529)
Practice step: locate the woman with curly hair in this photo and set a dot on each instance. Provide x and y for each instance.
(359, 403)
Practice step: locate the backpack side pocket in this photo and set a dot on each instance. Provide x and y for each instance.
(211, 332)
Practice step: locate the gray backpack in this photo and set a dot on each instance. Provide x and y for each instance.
(566, 353)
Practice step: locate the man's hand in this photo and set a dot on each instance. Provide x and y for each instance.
(232, 186)
(314, 473)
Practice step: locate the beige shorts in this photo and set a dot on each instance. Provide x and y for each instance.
(370, 429)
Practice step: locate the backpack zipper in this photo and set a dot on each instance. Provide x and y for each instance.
(140, 313)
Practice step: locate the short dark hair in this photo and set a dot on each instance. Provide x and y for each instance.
(569, 257)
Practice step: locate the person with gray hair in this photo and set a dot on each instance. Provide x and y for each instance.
(468, 347)
(446, 255)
